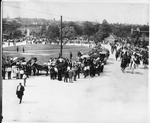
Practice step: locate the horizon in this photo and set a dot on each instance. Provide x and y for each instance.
(124, 13)
(78, 21)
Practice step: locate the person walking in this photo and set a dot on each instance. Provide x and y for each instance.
(70, 56)
(78, 71)
(17, 49)
(20, 92)
(117, 55)
(23, 49)
(24, 79)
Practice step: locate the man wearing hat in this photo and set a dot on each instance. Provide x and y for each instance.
(70, 56)
(20, 92)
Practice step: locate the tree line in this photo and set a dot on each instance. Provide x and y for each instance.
(94, 31)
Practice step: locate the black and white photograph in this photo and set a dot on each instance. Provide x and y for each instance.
(74, 61)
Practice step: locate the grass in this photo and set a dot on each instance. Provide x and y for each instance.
(44, 51)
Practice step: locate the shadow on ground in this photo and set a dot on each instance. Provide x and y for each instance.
(29, 102)
(134, 72)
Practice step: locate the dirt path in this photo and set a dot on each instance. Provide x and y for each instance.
(114, 97)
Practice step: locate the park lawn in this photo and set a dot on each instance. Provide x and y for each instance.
(44, 51)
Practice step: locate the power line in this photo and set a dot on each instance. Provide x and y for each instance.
(31, 10)
(47, 13)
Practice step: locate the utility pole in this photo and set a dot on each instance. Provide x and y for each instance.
(61, 37)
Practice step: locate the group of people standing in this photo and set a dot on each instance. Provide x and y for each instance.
(70, 71)
(23, 50)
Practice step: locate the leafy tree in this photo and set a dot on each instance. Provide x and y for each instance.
(104, 31)
(52, 32)
(43, 30)
(10, 27)
(145, 28)
(68, 32)
(88, 28)
(78, 28)
(17, 34)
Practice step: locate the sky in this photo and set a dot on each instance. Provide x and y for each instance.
(113, 12)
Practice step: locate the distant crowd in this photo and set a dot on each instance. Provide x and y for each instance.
(131, 57)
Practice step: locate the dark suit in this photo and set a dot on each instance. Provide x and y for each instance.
(20, 92)
(59, 74)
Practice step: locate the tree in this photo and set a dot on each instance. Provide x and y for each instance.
(17, 34)
(43, 30)
(52, 32)
(103, 32)
(10, 27)
(68, 32)
(78, 29)
(88, 28)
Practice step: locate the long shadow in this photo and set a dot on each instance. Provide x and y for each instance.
(107, 71)
(143, 68)
(133, 72)
(104, 75)
(30, 86)
(101, 75)
(29, 102)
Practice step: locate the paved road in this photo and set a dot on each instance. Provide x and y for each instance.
(114, 97)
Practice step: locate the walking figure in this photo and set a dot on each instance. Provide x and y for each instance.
(20, 92)
(17, 49)
(70, 56)
(23, 50)
(24, 78)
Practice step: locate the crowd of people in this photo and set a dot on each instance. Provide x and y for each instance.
(131, 57)
(27, 40)
(62, 69)
(58, 68)
(69, 70)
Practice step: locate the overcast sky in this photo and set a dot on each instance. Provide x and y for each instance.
(132, 13)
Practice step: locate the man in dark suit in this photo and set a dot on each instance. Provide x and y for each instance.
(70, 56)
(20, 92)
(17, 49)
(23, 49)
